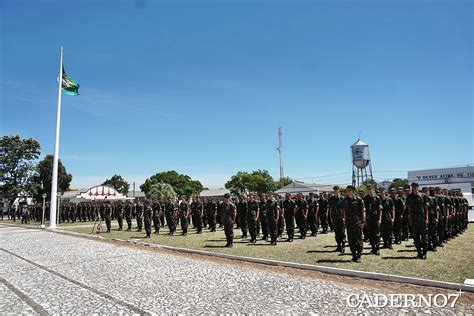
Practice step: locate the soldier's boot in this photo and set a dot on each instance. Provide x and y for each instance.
(356, 257)
(338, 248)
(423, 256)
(343, 247)
(419, 254)
(375, 250)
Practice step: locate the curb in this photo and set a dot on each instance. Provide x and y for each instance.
(302, 266)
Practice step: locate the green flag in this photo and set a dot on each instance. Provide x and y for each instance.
(69, 86)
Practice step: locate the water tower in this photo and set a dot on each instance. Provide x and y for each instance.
(361, 166)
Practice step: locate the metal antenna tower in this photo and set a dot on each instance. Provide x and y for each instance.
(280, 149)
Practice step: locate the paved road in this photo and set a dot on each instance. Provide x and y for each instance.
(43, 272)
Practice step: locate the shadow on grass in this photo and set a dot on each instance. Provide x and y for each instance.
(399, 257)
(332, 261)
(257, 244)
(136, 237)
(321, 251)
(216, 240)
(214, 246)
(407, 250)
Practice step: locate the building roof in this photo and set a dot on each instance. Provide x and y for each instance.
(305, 188)
(359, 143)
(214, 192)
(71, 194)
(138, 194)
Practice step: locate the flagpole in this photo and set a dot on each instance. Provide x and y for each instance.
(54, 183)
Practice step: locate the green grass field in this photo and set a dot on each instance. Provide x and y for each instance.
(453, 263)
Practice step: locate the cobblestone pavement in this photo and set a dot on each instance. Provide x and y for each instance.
(43, 272)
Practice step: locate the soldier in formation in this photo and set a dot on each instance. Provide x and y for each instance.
(228, 211)
(336, 215)
(355, 220)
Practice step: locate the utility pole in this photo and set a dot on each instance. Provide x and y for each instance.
(280, 149)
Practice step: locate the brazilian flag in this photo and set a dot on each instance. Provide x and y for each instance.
(69, 86)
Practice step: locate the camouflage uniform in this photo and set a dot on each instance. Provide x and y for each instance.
(418, 208)
(353, 218)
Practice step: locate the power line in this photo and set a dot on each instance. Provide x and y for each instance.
(325, 176)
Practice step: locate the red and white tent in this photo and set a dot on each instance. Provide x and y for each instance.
(102, 192)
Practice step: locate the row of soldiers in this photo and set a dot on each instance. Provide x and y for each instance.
(394, 217)
(431, 218)
(391, 216)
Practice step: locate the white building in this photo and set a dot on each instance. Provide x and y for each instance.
(214, 193)
(459, 178)
(305, 188)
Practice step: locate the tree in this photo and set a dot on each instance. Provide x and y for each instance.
(118, 183)
(182, 184)
(239, 183)
(286, 181)
(397, 182)
(44, 177)
(259, 181)
(372, 182)
(17, 156)
(262, 182)
(160, 191)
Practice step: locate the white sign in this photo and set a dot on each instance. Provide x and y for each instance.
(434, 176)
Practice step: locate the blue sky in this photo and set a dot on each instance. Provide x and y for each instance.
(202, 86)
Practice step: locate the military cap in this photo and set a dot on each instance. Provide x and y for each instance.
(415, 184)
(336, 187)
(299, 193)
(350, 187)
(381, 189)
(369, 186)
(431, 188)
(400, 188)
(392, 190)
(227, 195)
